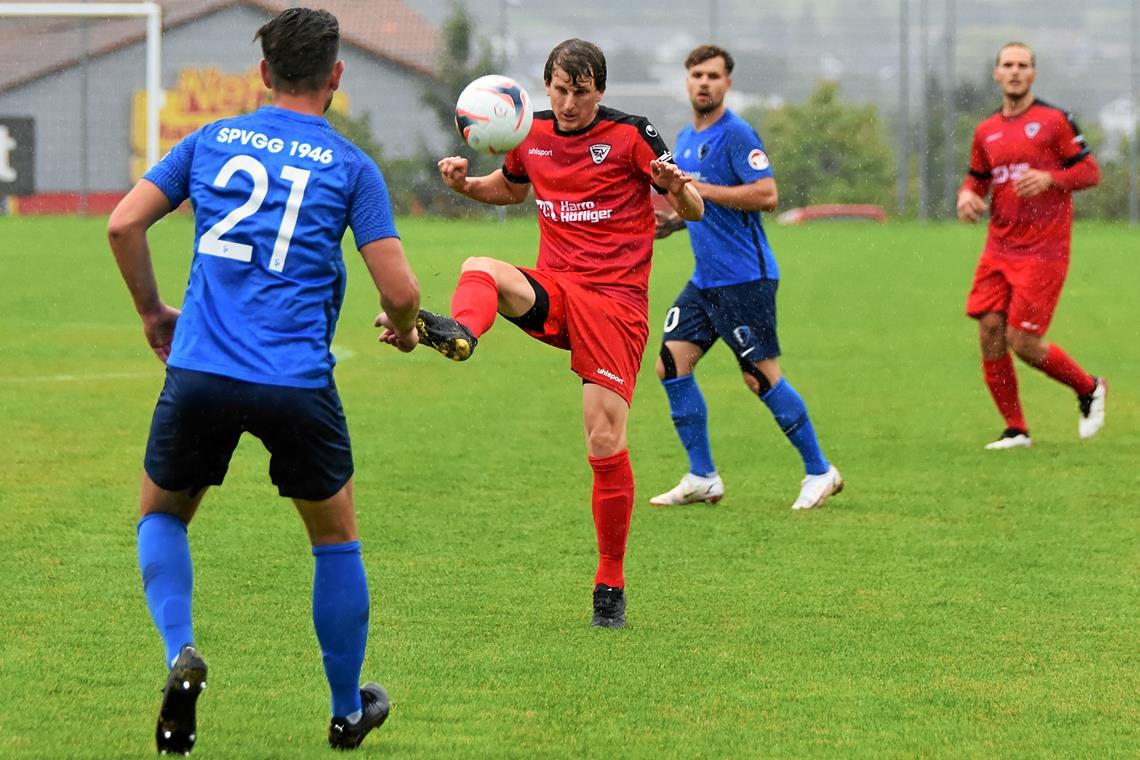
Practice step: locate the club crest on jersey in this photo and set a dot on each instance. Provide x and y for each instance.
(1032, 128)
(599, 151)
(758, 160)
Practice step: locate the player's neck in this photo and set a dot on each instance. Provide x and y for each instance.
(311, 104)
(702, 121)
(1015, 106)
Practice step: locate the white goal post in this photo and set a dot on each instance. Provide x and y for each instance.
(152, 12)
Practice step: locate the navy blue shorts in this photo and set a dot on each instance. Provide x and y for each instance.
(200, 416)
(743, 315)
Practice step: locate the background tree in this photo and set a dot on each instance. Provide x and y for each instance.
(827, 151)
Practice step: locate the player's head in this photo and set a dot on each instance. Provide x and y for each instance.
(300, 46)
(1015, 68)
(575, 76)
(710, 76)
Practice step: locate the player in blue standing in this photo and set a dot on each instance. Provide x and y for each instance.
(273, 192)
(732, 294)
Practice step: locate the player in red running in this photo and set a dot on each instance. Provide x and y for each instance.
(592, 169)
(1032, 157)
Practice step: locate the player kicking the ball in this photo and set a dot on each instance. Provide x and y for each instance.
(592, 169)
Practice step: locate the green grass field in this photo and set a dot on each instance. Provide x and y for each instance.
(952, 602)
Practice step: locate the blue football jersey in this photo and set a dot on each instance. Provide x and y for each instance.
(273, 192)
(729, 245)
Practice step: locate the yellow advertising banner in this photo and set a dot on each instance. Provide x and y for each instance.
(199, 97)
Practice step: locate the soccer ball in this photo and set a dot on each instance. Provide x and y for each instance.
(493, 114)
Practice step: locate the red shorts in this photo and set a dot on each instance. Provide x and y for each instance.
(1025, 290)
(606, 337)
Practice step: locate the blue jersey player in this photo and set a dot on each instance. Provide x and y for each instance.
(273, 193)
(732, 294)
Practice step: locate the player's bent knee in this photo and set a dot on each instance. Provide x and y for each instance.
(666, 364)
(756, 380)
(478, 264)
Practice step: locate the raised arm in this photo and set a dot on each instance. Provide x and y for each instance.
(493, 189)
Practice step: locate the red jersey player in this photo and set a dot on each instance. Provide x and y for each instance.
(1032, 157)
(592, 169)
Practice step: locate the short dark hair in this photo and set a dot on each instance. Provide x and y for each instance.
(580, 60)
(300, 46)
(1006, 46)
(706, 52)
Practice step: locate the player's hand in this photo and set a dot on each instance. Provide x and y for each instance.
(1032, 182)
(158, 327)
(453, 170)
(405, 341)
(667, 222)
(971, 206)
(668, 176)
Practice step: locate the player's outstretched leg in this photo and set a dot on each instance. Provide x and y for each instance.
(1091, 405)
(445, 335)
(374, 707)
(177, 729)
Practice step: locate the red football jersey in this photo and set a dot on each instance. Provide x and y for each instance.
(592, 187)
(1043, 137)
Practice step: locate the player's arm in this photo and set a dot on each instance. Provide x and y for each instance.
(678, 188)
(399, 291)
(144, 205)
(972, 195)
(760, 195)
(494, 188)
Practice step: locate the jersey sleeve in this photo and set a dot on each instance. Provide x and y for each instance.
(1073, 146)
(370, 211)
(980, 174)
(513, 168)
(171, 175)
(746, 152)
(650, 147)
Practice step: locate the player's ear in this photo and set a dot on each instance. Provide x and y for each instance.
(337, 73)
(263, 67)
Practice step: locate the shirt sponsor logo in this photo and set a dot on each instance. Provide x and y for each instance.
(569, 211)
(610, 375)
(599, 151)
(1005, 173)
(540, 152)
(758, 160)
(1032, 128)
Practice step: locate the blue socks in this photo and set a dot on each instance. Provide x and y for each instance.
(340, 617)
(690, 417)
(168, 578)
(791, 414)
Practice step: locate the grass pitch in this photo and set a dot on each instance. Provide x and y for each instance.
(951, 602)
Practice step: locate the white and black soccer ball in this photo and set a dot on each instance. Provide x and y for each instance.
(493, 114)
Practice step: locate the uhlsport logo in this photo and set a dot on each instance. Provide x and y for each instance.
(599, 151)
(610, 375)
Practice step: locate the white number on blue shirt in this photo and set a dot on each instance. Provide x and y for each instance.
(213, 244)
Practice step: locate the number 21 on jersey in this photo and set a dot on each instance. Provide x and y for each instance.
(213, 243)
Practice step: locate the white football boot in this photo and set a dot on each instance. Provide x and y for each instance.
(1011, 438)
(814, 489)
(1092, 410)
(691, 489)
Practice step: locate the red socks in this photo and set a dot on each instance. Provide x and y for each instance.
(613, 507)
(475, 301)
(1061, 367)
(1001, 379)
